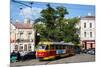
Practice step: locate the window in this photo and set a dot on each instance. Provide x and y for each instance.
(10, 32)
(66, 47)
(84, 25)
(47, 47)
(90, 25)
(42, 47)
(16, 47)
(60, 47)
(63, 46)
(21, 48)
(57, 47)
(90, 34)
(21, 33)
(29, 47)
(29, 34)
(84, 34)
(25, 47)
(52, 47)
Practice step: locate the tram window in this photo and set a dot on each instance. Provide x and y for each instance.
(47, 47)
(41, 47)
(57, 47)
(68, 47)
(52, 47)
(63, 46)
(60, 47)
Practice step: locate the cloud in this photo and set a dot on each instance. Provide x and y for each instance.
(31, 13)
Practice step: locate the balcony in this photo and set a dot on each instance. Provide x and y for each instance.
(24, 40)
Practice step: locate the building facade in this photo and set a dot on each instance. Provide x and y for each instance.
(22, 36)
(87, 32)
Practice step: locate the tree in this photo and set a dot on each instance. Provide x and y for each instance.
(71, 30)
(48, 17)
(55, 27)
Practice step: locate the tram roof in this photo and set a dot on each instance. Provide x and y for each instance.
(56, 43)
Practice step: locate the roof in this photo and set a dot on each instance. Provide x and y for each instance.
(56, 43)
(22, 25)
(88, 17)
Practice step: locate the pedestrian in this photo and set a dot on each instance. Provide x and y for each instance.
(13, 56)
(13, 53)
(22, 55)
(18, 56)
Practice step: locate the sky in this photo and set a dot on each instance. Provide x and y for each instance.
(33, 13)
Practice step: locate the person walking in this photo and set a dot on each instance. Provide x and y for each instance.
(18, 56)
(13, 56)
(22, 55)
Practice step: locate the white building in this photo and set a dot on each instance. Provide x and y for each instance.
(22, 36)
(87, 31)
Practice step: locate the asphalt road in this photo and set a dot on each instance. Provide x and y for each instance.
(72, 59)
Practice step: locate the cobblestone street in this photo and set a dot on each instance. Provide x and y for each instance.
(73, 59)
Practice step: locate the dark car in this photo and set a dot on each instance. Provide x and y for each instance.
(28, 56)
(78, 50)
(84, 51)
(91, 51)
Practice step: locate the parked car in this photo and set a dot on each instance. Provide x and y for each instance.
(91, 51)
(84, 51)
(78, 50)
(27, 56)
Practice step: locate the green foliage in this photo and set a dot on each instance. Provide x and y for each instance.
(54, 27)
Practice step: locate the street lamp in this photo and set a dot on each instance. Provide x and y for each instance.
(37, 38)
(38, 34)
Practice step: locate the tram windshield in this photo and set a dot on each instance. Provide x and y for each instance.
(41, 46)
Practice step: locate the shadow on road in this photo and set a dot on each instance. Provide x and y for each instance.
(57, 58)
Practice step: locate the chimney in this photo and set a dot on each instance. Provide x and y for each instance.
(26, 20)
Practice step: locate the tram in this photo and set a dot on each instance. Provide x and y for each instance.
(52, 50)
